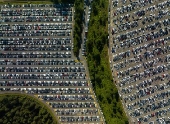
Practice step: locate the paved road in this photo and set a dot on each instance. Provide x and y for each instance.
(84, 61)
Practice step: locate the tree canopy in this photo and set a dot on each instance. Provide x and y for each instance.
(22, 109)
(98, 63)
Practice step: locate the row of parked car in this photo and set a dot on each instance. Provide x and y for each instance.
(76, 111)
(66, 97)
(35, 41)
(39, 33)
(15, 6)
(36, 58)
(159, 35)
(42, 69)
(46, 61)
(43, 76)
(140, 58)
(84, 47)
(143, 74)
(152, 64)
(128, 62)
(86, 18)
(122, 38)
(144, 88)
(73, 104)
(56, 90)
(36, 55)
(143, 59)
(153, 109)
(37, 15)
(36, 19)
(34, 48)
(36, 26)
(37, 12)
(135, 5)
(80, 119)
(122, 23)
(66, 83)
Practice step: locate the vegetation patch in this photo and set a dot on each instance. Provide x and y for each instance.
(78, 25)
(24, 109)
(98, 63)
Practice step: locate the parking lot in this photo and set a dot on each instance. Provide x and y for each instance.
(140, 58)
(36, 58)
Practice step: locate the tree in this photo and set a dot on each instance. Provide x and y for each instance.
(26, 111)
(98, 64)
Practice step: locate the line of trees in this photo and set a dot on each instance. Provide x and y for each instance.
(98, 63)
(63, 1)
(22, 109)
(78, 25)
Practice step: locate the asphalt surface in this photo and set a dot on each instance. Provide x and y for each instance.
(128, 65)
(82, 60)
